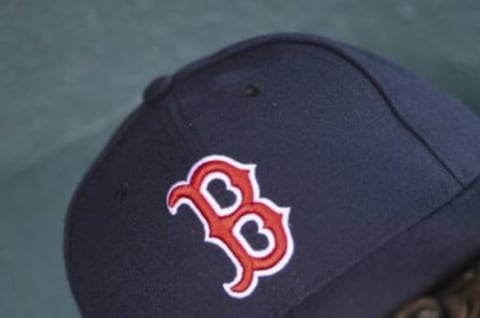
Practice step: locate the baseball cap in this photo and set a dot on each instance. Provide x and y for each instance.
(288, 175)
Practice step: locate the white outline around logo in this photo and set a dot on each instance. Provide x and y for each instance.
(284, 211)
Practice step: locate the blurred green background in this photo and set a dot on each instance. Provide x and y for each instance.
(71, 70)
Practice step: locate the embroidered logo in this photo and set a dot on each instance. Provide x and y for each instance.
(223, 225)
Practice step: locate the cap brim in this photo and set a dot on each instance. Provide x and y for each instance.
(407, 266)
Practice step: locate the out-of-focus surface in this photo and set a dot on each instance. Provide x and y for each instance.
(71, 70)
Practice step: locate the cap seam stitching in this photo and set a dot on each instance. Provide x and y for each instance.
(202, 148)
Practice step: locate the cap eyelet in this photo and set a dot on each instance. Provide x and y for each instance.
(252, 90)
(122, 193)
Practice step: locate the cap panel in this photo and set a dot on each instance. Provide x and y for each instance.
(325, 143)
(443, 122)
(126, 257)
(410, 265)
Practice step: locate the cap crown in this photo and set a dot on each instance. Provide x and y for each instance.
(359, 149)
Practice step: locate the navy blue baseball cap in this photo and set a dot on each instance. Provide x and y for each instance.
(285, 176)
